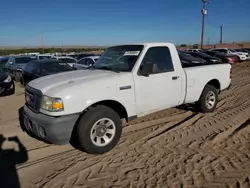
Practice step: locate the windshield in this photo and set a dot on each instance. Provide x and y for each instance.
(233, 50)
(45, 57)
(54, 67)
(67, 60)
(22, 60)
(184, 56)
(204, 55)
(119, 58)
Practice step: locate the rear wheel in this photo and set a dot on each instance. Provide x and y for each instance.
(209, 99)
(1, 90)
(99, 130)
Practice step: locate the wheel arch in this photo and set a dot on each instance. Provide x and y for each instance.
(115, 105)
(215, 83)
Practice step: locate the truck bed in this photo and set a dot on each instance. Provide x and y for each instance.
(198, 76)
(187, 65)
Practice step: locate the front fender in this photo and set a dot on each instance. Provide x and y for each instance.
(77, 102)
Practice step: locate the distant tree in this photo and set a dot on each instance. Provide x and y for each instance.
(183, 45)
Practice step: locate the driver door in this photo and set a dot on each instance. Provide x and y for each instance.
(158, 84)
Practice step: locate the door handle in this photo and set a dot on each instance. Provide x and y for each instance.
(175, 77)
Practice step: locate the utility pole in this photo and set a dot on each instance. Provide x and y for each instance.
(203, 12)
(42, 42)
(221, 27)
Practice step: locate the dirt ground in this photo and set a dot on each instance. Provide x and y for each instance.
(178, 147)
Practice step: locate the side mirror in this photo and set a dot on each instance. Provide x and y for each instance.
(142, 71)
(91, 64)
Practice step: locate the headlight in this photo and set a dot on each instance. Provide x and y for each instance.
(52, 104)
(7, 80)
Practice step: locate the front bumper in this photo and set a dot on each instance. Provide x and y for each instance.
(55, 130)
(243, 58)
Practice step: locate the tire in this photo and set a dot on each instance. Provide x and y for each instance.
(88, 125)
(23, 82)
(1, 90)
(238, 59)
(17, 76)
(203, 103)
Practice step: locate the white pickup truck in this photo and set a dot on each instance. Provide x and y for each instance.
(127, 81)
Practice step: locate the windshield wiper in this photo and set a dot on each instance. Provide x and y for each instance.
(108, 68)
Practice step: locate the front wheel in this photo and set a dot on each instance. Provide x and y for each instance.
(209, 99)
(2, 90)
(99, 130)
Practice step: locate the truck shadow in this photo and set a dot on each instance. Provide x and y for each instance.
(9, 158)
(189, 107)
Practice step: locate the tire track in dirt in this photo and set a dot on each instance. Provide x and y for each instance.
(167, 154)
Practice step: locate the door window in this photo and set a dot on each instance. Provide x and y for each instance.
(82, 62)
(157, 60)
(90, 61)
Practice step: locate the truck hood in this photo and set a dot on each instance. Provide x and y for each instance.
(61, 80)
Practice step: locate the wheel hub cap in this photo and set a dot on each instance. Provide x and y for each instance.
(210, 100)
(102, 132)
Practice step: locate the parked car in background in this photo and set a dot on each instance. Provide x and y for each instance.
(243, 50)
(127, 81)
(224, 57)
(85, 62)
(3, 61)
(206, 57)
(242, 56)
(82, 55)
(44, 56)
(66, 59)
(188, 59)
(193, 50)
(36, 69)
(247, 50)
(6, 81)
(15, 65)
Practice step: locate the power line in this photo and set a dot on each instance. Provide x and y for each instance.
(211, 23)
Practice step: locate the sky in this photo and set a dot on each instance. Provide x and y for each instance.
(110, 22)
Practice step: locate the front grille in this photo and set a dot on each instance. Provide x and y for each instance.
(33, 98)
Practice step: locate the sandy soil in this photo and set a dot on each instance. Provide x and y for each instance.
(177, 147)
